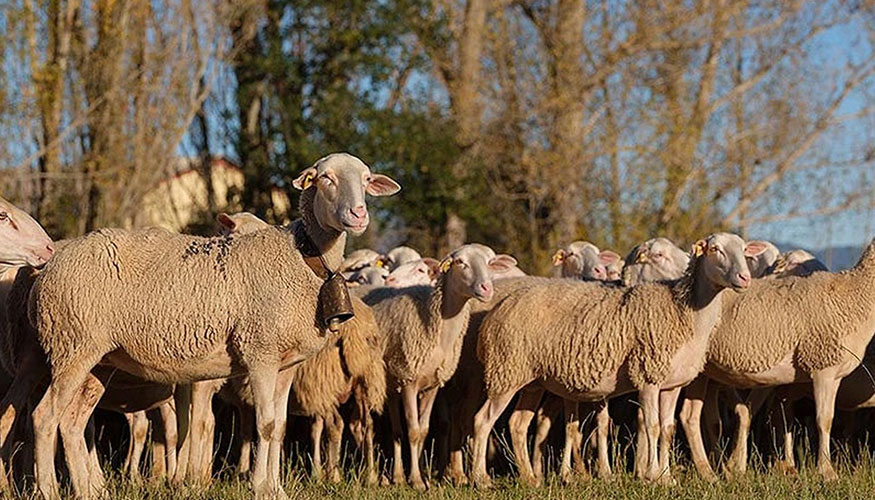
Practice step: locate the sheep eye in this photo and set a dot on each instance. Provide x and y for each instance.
(4, 216)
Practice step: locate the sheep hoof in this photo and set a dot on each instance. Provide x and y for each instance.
(785, 468)
(530, 481)
(457, 479)
(373, 478)
(334, 477)
(418, 485)
(481, 481)
(828, 473)
(384, 481)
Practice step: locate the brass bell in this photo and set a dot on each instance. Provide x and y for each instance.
(335, 302)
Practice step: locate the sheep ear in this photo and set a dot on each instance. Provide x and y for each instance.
(434, 266)
(502, 262)
(559, 257)
(226, 221)
(754, 248)
(382, 185)
(608, 257)
(699, 248)
(305, 179)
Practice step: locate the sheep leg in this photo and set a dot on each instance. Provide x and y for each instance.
(64, 387)
(316, 441)
(163, 441)
(247, 415)
(416, 432)
(603, 429)
(335, 433)
(484, 420)
(826, 385)
(578, 453)
(14, 402)
(95, 471)
(395, 418)
(783, 414)
(138, 425)
(455, 470)
(691, 413)
(265, 481)
(547, 413)
(650, 403)
(281, 415)
(200, 438)
(85, 474)
(668, 401)
(168, 417)
(182, 404)
(711, 416)
(519, 423)
(641, 451)
(572, 426)
(368, 447)
(737, 463)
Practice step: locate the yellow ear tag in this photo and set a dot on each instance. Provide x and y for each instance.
(307, 182)
(558, 257)
(445, 265)
(642, 258)
(699, 248)
(379, 263)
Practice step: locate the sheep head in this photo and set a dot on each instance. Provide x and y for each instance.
(723, 260)
(341, 181)
(23, 242)
(583, 260)
(419, 272)
(470, 270)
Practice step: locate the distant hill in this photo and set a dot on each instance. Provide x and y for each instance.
(835, 258)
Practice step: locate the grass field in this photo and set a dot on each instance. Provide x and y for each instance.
(857, 481)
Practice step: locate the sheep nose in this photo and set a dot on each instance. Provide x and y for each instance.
(359, 212)
(743, 279)
(484, 290)
(389, 280)
(50, 248)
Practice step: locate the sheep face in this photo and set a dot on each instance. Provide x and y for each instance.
(657, 259)
(341, 181)
(470, 270)
(368, 276)
(239, 223)
(23, 242)
(583, 260)
(420, 272)
(724, 260)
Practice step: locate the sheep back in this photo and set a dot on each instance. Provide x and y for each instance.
(579, 333)
(165, 298)
(803, 316)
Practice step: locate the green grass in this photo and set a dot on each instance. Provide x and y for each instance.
(856, 481)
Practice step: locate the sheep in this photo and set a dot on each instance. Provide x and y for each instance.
(648, 338)
(352, 367)
(583, 260)
(818, 329)
(360, 259)
(195, 308)
(239, 223)
(398, 256)
(23, 242)
(418, 272)
(760, 265)
(656, 259)
(368, 276)
(424, 328)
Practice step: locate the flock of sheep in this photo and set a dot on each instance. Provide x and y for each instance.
(154, 324)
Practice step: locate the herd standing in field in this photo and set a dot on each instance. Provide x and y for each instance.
(153, 325)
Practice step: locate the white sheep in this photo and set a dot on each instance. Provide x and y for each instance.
(416, 273)
(424, 328)
(604, 341)
(817, 329)
(175, 308)
(583, 260)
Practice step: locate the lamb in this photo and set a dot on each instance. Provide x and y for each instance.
(424, 328)
(819, 327)
(649, 337)
(583, 260)
(246, 316)
(23, 242)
